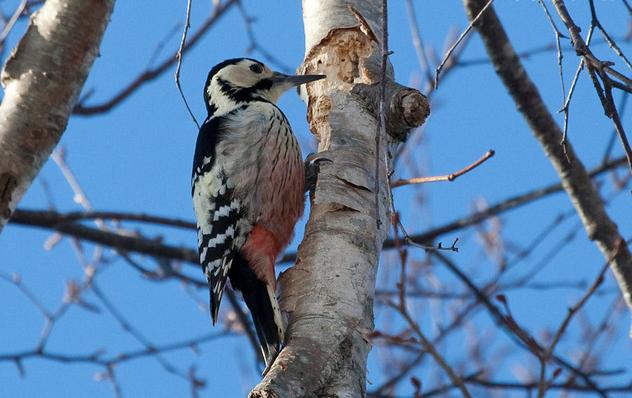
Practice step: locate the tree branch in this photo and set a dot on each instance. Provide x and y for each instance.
(153, 73)
(67, 224)
(574, 177)
(600, 70)
(447, 177)
(57, 222)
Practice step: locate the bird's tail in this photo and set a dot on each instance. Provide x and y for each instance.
(264, 309)
(266, 316)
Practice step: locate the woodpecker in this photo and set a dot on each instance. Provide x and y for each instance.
(247, 188)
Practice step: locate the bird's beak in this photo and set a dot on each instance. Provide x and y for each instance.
(291, 81)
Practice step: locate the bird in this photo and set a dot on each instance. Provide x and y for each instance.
(247, 188)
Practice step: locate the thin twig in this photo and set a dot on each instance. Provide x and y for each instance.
(536, 50)
(445, 332)
(111, 376)
(430, 348)
(187, 25)
(611, 42)
(528, 386)
(128, 327)
(254, 45)
(458, 41)
(152, 74)
(560, 65)
(558, 45)
(447, 177)
(16, 280)
(600, 72)
(451, 63)
(622, 107)
(422, 58)
(11, 22)
(161, 46)
(543, 384)
(510, 326)
(567, 103)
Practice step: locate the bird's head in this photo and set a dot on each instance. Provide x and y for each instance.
(241, 80)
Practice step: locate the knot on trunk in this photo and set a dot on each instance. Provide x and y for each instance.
(406, 108)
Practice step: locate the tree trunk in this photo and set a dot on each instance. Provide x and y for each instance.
(42, 80)
(328, 295)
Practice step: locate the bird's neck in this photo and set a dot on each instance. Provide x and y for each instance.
(222, 98)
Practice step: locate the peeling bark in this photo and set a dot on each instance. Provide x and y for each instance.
(328, 294)
(42, 79)
(576, 181)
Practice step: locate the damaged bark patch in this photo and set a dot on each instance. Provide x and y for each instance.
(318, 115)
(342, 56)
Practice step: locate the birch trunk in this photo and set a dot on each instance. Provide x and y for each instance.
(328, 295)
(42, 80)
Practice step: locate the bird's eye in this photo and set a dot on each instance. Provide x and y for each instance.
(256, 68)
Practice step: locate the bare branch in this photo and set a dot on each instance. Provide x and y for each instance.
(599, 69)
(422, 58)
(544, 385)
(574, 177)
(447, 177)
(66, 223)
(459, 40)
(254, 45)
(511, 327)
(430, 348)
(153, 73)
(11, 22)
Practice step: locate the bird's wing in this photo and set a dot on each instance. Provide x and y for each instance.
(216, 211)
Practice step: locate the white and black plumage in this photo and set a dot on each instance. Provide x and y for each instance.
(247, 187)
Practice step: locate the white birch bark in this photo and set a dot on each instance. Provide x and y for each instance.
(328, 295)
(42, 79)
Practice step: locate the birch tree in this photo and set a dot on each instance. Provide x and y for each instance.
(358, 116)
(42, 80)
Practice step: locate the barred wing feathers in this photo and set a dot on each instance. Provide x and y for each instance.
(217, 213)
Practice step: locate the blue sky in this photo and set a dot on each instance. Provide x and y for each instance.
(138, 158)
